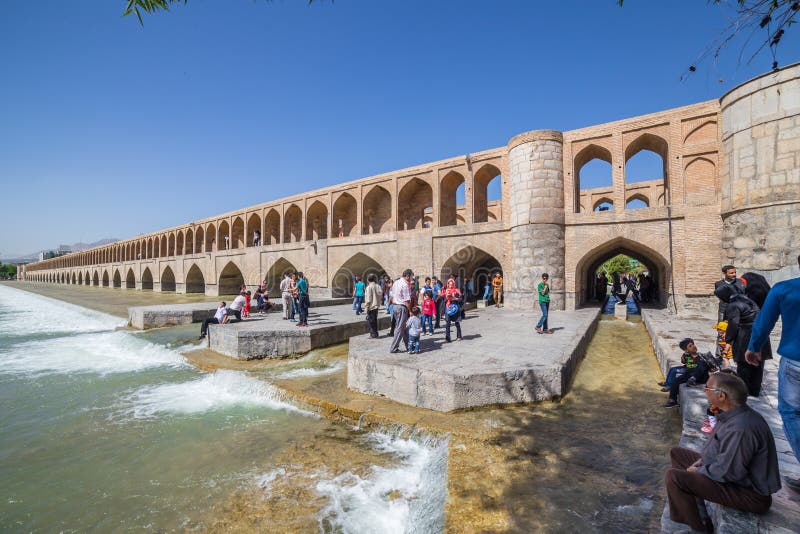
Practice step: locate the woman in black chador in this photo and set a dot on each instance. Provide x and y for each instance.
(740, 314)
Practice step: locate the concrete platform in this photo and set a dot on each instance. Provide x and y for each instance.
(270, 336)
(500, 361)
(144, 317)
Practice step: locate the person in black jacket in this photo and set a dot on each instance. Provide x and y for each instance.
(756, 288)
(729, 278)
(741, 313)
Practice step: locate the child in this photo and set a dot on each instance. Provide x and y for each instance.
(428, 311)
(724, 353)
(696, 370)
(413, 325)
(247, 297)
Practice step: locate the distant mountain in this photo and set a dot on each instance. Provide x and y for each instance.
(75, 247)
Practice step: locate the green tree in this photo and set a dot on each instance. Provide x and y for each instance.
(8, 270)
(137, 7)
(621, 263)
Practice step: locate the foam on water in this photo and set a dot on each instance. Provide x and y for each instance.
(313, 371)
(219, 390)
(407, 498)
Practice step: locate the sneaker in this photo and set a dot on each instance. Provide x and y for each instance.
(665, 389)
(458, 339)
(416, 352)
(395, 351)
(671, 403)
(202, 336)
(662, 384)
(706, 429)
(691, 382)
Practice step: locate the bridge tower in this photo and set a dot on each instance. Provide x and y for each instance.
(536, 243)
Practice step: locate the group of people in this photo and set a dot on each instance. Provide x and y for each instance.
(623, 284)
(738, 466)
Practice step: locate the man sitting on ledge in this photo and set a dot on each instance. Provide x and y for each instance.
(738, 466)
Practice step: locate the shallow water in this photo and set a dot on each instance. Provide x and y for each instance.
(110, 430)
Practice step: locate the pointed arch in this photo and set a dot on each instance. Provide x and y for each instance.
(147, 279)
(171, 245)
(636, 201)
(167, 279)
(211, 238)
(272, 228)
(117, 280)
(448, 198)
(700, 182)
(358, 265)
(237, 233)
(179, 243)
(376, 211)
(600, 175)
(702, 133)
(195, 282)
(317, 221)
(149, 248)
(130, 280)
(189, 250)
(162, 253)
(603, 204)
(646, 146)
(96, 279)
(199, 240)
(275, 274)
(345, 215)
(223, 236)
(292, 224)
(472, 262)
(75, 280)
(105, 279)
(253, 226)
(87, 279)
(414, 198)
(484, 181)
(230, 280)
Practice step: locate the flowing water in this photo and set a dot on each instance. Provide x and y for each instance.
(107, 430)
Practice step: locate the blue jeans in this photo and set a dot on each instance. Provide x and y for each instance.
(295, 308)
(303, 308)
(543, 321)
(673, 373)
(486, 291)
(789, 402)
(427, 320)
(357, 302)
(413, 343)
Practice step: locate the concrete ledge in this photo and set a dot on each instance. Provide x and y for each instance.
(500, 361)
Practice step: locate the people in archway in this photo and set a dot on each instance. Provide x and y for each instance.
(601, 287)
(401, 305)
(302, 298)
(372, 301)
(616, 286)
(729, 278)
(543, 291)
(740, 314)
(452, 309)
(286, 295)
(487, 289)
(256, 238)
(497, 285)
(220, 317)
(358, 295)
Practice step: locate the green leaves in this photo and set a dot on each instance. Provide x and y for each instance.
(148, 6)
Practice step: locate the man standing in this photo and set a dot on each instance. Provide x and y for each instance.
(728, 277)
(437, 300)
(738, 466)
(286, 295)
(497, 284)
(372, 301)
(302, 299)
(543, 289)
(783, 300)
(401, 305)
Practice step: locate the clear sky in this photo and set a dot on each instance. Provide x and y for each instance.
(109, 129)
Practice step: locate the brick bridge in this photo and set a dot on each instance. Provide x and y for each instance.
(729, 191)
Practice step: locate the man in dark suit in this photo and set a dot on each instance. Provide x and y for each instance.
(728, 277)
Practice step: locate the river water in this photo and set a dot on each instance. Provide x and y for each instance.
(107, 430)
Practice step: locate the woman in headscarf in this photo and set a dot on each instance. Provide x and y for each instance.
(453, 296)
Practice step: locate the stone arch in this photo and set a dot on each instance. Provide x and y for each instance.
(224, 236)
(105, 279)
(86, 279)
(237, 233)
(199, 240)
(63, 278)
(317, 221)
(604, 202)
(96, 279)
(189, 240)
(180, 240)
(345, 215)
(163, 251)
(117, 280)
(414, 199)
(171, 245)
(636, 201)
(358, 265)
(448, 202)
(272, 227)
(649, 143)
(74, 279)
(471, 261)
(130, 280)
(657, 265)
(211, 238)
(482, 212)
(276, 273)
(253, 226)
(149, 248)
(167, 279)
(230, 280)
(702, 133)
(376, 211)
(292, 224)
(147, 279)
(584, 156)
(195, 283)
(700, 182)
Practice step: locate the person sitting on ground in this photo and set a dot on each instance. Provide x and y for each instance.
(414, 326)
(737, 467)
(674, 372)
(262, 300)
(696, 370)
(237, 306)
(220, 317)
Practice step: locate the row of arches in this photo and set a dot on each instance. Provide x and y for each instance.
(378, 212)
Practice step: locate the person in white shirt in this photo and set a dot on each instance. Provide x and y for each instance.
(372, 301)
(237, 306)
(220, 317)
(286, 295)
(401, 305)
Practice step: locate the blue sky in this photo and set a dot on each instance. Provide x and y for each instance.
(109, 129)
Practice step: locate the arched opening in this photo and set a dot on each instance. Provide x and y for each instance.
(292, 225)
(361, 265)
(224, 236)
(345, 215)
(637, 201)
(276, 273)
(414, 199)
(195, 283)
(700, 182)
(487, 194)
(474, 263)
(211, 238)
(63, 278)
(179, 241)
(130, 280)
(86, 279)
(75, 280)
(171, 245)
(272, 228)
(167, 280)
(199, 240)
(254, 230)
(148, 253)
(105, 278)
(96, 279)
(603, 204)
(189, 241)
(317, 221)
(147, 279)
(377, 211)
(651, 262)
(163, 251)
(451, 199)
(593, 176)
(237, 233)
(117, 279)
(646, 162)
(230, 280)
